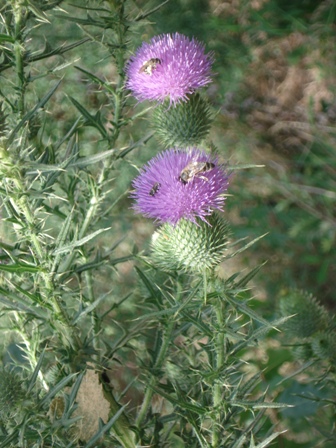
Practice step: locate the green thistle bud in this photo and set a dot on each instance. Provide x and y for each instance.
(324, 345)
(309, 318)
(190, 247)
(303, 352)
(11, 393)
(186, 124)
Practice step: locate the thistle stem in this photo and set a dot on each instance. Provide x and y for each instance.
(19, 15)
(153, 379)
(220, 358)
(94, 318)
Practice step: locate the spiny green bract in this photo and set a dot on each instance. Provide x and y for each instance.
(186, 124)
(11, 393)
(324, 345)
(189, 247)
(309, 317)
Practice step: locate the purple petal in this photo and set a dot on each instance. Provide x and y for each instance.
(161, 194)
(183, 68)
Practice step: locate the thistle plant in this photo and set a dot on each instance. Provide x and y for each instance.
(161, 364)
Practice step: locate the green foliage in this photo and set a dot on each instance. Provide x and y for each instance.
(311, 334)
(204, 382)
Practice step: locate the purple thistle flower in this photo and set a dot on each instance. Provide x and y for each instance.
(178, 184)
(171, 65)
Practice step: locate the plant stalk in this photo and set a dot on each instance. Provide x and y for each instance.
(19, 19)
(157, 365)
(220, 358)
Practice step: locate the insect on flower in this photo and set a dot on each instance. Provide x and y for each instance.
(175, 198)
(155, 189)
(149, 66)
(195, 169)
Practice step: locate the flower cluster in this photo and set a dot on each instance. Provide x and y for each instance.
(170, 66)
(184, 185)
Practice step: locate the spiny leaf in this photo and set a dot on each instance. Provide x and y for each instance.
(300, 370)
(32, 112)
(248, 277)
(80, 242)
(57, 388)
(35, 298)
(269, 439)
(259, 405)
(79, 21)
(37, 12)
(18, 303)
(153, 291)
(198, 322)
(257, 334)
(154, 316)
(92, 442)
(35, 373)
(60, 240)
(243, 166)
(242, 249)
(182, 404)
(135, 145)
(91, 120)
(246, 310)
(90, 160)
(6, 38)
(49, 51)
(19, 268)
(148, 13)
(88, 309)
(192, 294)
(95, 79)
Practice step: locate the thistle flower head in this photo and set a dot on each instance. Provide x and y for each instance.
(170, 65)
(180, 184)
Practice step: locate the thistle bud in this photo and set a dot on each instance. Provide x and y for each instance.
(324, 346)
(186, 124)
(189, 247)
(309, 317)
(11, 393)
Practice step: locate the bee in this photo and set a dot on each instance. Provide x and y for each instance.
(155, 189)
(149, 66)
(195, 169)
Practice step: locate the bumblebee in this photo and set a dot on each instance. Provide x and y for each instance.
(149, 66)
(195, 169)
